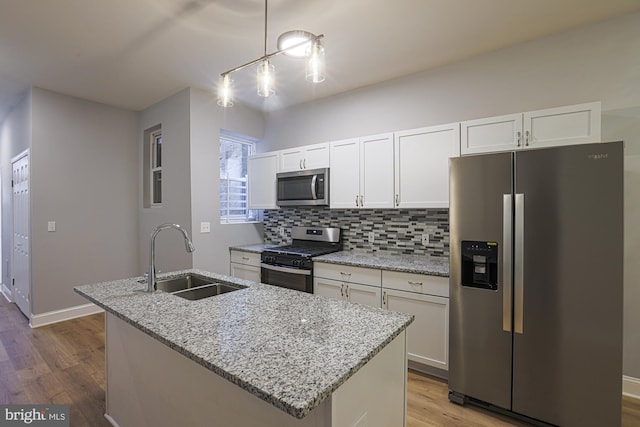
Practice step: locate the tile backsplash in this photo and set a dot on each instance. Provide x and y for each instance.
(395, 230)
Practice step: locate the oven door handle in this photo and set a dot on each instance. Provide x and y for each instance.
(286, 269)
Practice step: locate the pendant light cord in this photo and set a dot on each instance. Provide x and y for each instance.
(265, 27)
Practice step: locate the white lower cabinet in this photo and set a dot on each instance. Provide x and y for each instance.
(352, 292)
(245, 265)
(428, 335)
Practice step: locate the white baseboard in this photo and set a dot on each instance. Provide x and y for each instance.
(6, 292)
(631, 387)
(38, 320)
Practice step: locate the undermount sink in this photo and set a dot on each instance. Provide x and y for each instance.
(194, 287)
(207, 291)
(180, 283)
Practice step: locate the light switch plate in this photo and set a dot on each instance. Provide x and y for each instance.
(205, 227)
(425, 239)
(51, 226)
(372, 236)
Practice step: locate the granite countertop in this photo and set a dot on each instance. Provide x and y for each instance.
(420, 264)
(256, 249)
(288, 348)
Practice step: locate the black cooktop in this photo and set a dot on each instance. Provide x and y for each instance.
(301, 250)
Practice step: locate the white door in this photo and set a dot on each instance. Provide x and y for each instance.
(428, 335)
(573, 124)
(328, 288)
(422, 165)
(363, 294)
(316, 156)
(503, 133)
(262, 181)
(245, 272)
(376, 171)
(291, 160)
(21, 270)
(344, 174)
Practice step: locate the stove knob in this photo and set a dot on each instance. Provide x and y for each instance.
(296, 263)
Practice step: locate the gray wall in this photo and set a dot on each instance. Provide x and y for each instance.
(597, 62)
(83, 166)
(15, 138)
(173, 115)
(206, 121)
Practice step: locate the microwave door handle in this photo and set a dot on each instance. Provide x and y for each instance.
(314, 194)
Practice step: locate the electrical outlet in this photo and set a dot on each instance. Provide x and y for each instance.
(425, 239)
(205, 227)
(51, 226)
(372, 237)
(281, 232)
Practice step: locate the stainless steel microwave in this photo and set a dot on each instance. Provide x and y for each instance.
(303, 188)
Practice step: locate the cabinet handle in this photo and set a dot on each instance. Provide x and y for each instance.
(356, 200)
(414, 283)
(300, 164)
(304, 163)
(346, 291)
(397, 200)
(361, 202)
(526, 138)
(384, 299)
(246, 258)
(518, 138)
(345, 276)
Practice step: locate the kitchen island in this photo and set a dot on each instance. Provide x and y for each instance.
(257, 356)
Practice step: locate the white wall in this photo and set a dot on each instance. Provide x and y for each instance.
(14, 139)
(597, 62)
(173, 115)
(83, 173)
(207, 119)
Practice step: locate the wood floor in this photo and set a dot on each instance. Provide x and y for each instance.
(64, 363)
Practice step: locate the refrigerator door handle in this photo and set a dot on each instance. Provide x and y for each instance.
(519, 266)
(507, 261)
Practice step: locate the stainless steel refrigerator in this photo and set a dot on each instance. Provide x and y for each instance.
(536, 283)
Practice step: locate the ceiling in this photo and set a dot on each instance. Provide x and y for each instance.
(133, 53)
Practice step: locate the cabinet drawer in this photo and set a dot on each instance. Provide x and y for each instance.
(420, 283)
(347, 273)
(247, 258)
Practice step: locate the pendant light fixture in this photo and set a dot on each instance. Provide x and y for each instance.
(293, 43)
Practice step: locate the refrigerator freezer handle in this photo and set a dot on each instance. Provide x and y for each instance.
(507, 260)
(518, 289)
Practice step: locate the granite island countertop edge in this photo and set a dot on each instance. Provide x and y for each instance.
(296, 410)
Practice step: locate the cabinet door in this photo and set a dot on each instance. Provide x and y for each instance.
(361, 294)
(573, 124)
(428, 335)
(262, 181)
(344, 171)
(246, 272)
(376, 171)
(291, 160)
(316, 156)
(501, 133)
(422, 165)
(328, 288)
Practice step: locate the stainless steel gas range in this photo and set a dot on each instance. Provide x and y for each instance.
(291, 266)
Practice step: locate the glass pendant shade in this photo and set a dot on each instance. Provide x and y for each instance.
(266, 78)
(314, 69)
(225, 92)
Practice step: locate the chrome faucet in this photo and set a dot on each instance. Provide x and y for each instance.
(151, 279)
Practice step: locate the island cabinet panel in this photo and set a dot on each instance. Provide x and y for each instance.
(150, 384)
(428, 335)
(245, 265)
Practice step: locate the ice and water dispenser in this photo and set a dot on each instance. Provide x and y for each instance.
(480, 264)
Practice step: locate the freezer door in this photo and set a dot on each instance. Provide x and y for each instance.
(568, 285)
(480, 316)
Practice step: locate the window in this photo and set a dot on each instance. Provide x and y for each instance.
(234, 195)
(155, 149)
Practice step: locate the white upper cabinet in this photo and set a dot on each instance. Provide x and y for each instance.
(422, 165)
(262, 180)
(344, 170)
(307, 157)
(376, 171)
(362, 172)
(573, 124)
